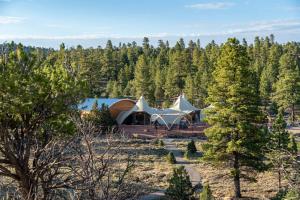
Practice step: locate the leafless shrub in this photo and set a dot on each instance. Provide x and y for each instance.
(103, 175)
(84, 166)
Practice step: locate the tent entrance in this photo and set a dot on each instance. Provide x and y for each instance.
(137, 118)
(170, 119)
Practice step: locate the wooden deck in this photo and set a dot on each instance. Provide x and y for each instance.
(149, 131)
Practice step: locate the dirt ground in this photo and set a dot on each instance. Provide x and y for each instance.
(151, 171)
(151, 168)
(221, 184)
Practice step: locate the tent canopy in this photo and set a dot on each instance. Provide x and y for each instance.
(183, 105)
(172, 115)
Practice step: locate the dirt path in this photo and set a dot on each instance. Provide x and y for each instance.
(195, 178)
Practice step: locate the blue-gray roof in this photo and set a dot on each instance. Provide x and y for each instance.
(88, 103)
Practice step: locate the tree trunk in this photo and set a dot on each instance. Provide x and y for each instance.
(26, 184)
(279, 180)
(236, 178)
(293, 114)
(26, 190)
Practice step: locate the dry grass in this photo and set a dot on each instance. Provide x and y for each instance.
(222, 184)
(151, 170)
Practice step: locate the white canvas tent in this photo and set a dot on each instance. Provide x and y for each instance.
(140, 106)
(169, 116)
(183, 105)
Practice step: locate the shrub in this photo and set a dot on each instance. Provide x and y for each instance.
(206, 193)
(156, 141)
(171, 158)
(161, 143)
(191, 147)
(187, 155)
(292, 195)
(280, 195)
(180, 186)
(101, 118)
(287, 194)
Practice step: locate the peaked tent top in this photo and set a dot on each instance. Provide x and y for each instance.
(183, 105)
(143, 106)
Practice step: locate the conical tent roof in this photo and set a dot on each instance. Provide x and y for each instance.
(143, 106)
(183, 105)
(169, 115)
(140, 106)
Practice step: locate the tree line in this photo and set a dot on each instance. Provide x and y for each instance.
(161, 73)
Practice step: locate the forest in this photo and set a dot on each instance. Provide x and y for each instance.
(51, 151)
(161, 73)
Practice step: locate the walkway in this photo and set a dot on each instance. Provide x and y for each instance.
(195, 178)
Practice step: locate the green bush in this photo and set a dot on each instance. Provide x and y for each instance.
(161, 143)
(280, 195)
(171, 158)
(156, 141)
(191, 147)
(101, 118)
(292, 195)
(206, 193)
(188, 155)
(180, 186)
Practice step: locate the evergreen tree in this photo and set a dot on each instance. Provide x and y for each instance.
(287, 92)
(172, 83)
(142, 79)
(234, 136)
(191, 147)
(159, 91)
(171, 158)
(189, 89)
(292, 146)
(269, 74)
(115, 90)
(37, 99)
(180, 186)
(278, 143)
(101, 118)
(206, 193)
(109, 69)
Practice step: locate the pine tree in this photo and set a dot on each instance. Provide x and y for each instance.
(234, 136)
(115, 92)
(142, 79)
(171, 158)
(206, 193)
(189, 89)
(292, 146)
(287, 92)
(171, 86)
(269, 74)
(37, 100)
(278, 144)
(159, 91)
(101, 118)
(191, 147)
(180, 186)
(108, 65)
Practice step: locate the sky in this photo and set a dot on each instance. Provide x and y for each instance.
(48, 23)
